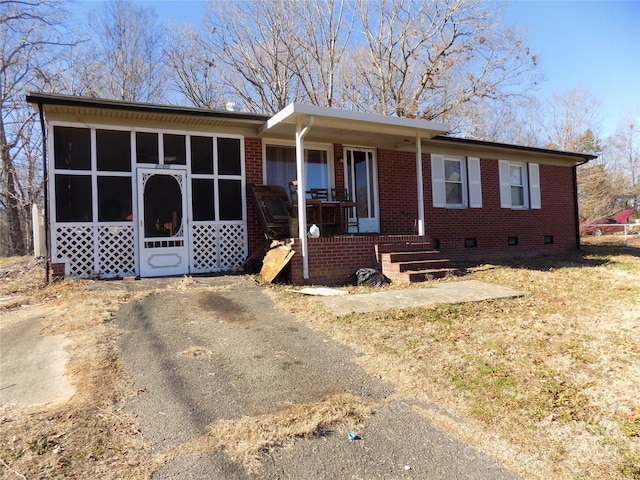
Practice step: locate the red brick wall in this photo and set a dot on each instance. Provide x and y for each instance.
(253, 174)
(333, 260)
(398, 193)
(491, 225)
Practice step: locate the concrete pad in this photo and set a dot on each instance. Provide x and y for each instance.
(31, 365)
(450, 292)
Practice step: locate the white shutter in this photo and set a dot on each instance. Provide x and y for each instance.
(438, 191)
(475, 185)
(534, 186)
(505, 184)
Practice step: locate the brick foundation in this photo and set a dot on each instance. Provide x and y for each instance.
(57, 271)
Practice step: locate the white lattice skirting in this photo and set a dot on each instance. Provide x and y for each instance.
(217, 247)
(109, 251)
(105, 251)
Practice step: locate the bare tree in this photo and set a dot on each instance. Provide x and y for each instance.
(28, 37)
(427, 59)
(623, 154)
(193, 69)
(252, 45)
(124, 60)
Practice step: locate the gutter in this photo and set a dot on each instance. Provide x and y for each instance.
(45, 186)
(575, 198)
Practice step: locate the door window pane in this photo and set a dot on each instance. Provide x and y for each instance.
(230, 200)
(229, 156)
(162, 207)
(174, 149)
(114, 199)
(146, 147)
(113, 149)
(202, 155)
(202, 197)
(72, 148)
(73, 198)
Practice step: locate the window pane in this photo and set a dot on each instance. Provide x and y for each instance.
(174, 149)
(281, 167)
(230, 200)
(452, 171)
(202, 198)
(72, 148)
(147, 147)
(454, 193)
(229, 156)
(516, 175)
(73, 198)
(113, 149)
(202, 155)
(114, 199)
(316, 169)
(517, 196)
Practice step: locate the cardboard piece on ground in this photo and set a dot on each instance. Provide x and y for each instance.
(274, 261)
(321, 291)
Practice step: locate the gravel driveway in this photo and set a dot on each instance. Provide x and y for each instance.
(225, 352)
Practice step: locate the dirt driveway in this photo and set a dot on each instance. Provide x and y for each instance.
(221, 374)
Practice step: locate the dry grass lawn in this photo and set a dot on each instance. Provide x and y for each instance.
(549, 384)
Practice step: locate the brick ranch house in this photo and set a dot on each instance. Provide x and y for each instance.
(155, 190)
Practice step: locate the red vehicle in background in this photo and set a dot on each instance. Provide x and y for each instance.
(601, 226)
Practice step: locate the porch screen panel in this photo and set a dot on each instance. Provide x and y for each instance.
(230, 200)
(175, 152)
(114, 199)
(202, 194)
(113, 150)
(147, 147)
(72, 148)
(229, 161)
(202, 155)
(73, 198)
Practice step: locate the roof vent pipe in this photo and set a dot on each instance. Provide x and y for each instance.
(233, 107)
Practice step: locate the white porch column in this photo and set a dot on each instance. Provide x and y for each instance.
(302, 188)
(420, 186)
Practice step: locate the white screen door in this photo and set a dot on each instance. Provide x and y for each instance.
(361, 181)
(162, 214)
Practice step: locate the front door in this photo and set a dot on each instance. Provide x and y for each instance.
(162, 215)
(361, 181)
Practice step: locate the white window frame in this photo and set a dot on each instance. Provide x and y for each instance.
(470, 181)
(530, 185)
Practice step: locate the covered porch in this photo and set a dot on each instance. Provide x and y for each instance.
(357, 141)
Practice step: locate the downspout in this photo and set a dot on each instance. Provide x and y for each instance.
(575, 201)
(421, 231)
(302, 188)
(45, 185)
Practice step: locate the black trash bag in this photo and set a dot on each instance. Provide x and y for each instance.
(370, 277)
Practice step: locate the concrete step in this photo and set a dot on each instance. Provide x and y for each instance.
(414, 256)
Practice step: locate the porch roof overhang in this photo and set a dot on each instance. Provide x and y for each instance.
(350, 128)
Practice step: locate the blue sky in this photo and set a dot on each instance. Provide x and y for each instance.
(580, 43)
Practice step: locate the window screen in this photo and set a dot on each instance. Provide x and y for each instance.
(72, 148)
